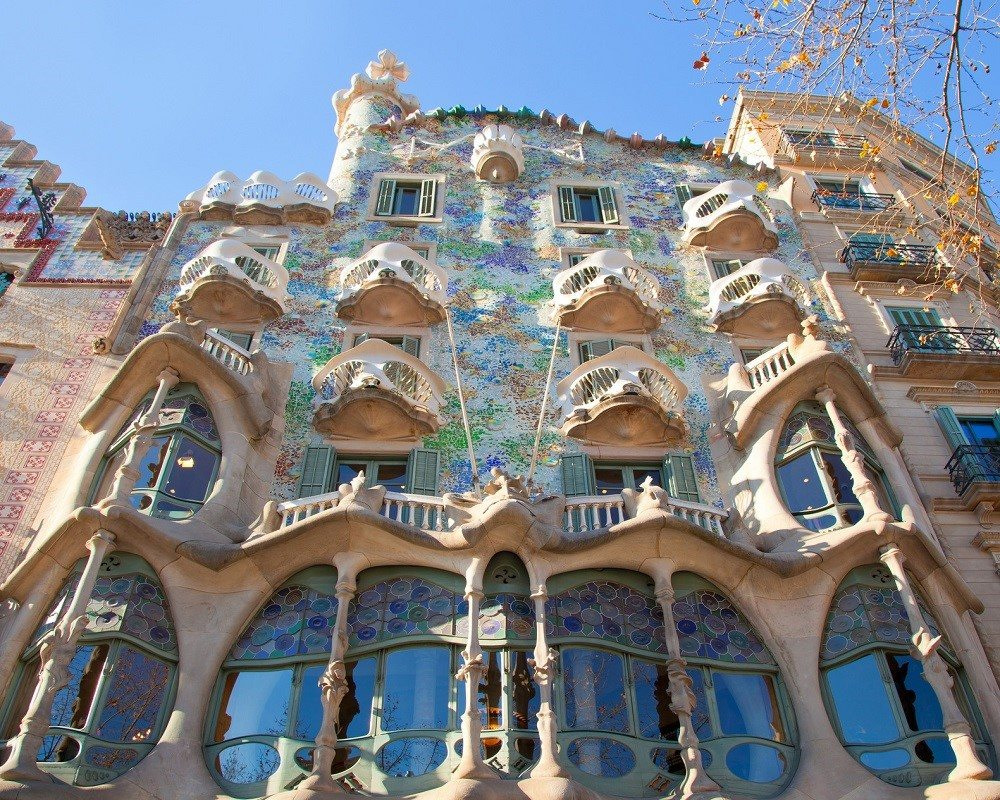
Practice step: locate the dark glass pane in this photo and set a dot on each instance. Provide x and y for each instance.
(639, 474)
(247, 763)
(152, 463)
(136, 691)
(802, 484)
(605, 758)
(58, 749)
(861, 702)
(747, 705)
(391, 476)
(921, 709)
(652, 701)
(886, 759)
(356, 707)
(700, 720)
(594, 682)
(525, 700)
(589, 207)
(348, 471)
(490, 694)
(253, 703)
(343, 758)
(936, 750)
(755, 762)
(407, 200)
(840, 478)
(407, 758)
(190, 475)
(609, 480)
(167, 509)
(73, 702)
(667, 759)
(310, 712)
(417, 685)
(980, 431)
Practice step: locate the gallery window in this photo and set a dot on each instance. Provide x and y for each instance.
(407, 197)
(585, 204)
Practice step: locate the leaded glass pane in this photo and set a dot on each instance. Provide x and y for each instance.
(609, 611)
(400, 607)
(297, 620)
(709, 626)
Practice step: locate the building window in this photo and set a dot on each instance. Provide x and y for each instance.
(748, 354)
(595, 348)
(408, 344)
(685, 191)
(323, 470)
(676, 473)
(915, 170)
(814, 138)
(816, 484)
(5, 368)
(723, 267)
(415, 197)
(6, 281)
(113, 709)
(178, 472)
(595, 205)
(885, 713)
(241, 340)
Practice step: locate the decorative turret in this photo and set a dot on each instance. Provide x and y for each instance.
(497, 154)
(378, 88)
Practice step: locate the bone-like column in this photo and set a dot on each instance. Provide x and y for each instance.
(471, 672)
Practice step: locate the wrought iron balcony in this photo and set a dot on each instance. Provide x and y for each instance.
(761, 299)
(963, 353)
(853, 201)
(608, 292)
(890, 261)
(392, 285)
(263, 199)
(730, 217)
(376, 391)
(975, 473)
(624, 398)
(230, 283)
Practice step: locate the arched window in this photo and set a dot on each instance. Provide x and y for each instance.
(617, 729)
(885, 713)
(816, 484)
(121, 684)
(179, 469)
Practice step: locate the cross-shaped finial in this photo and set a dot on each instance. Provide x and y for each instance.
(387, 66)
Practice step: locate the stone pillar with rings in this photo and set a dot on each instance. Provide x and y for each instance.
(471, 672)
(333, 682)
(142, 439)
(682, 699)
(925, 647)
(55, 656)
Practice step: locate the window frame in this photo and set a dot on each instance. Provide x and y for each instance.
(428, 247)
(375, 196)
(420, 333)
(556, 193)
(576, 339)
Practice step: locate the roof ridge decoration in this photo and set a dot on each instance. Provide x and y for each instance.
(380, 78)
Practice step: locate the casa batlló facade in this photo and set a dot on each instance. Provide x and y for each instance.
(514, 458)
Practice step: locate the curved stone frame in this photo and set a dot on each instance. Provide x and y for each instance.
(121, 564)
(899, 776)
(635, 782)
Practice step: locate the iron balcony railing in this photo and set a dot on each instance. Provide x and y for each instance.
(853, 201)
(917, 256)
(974, 463)
(938, 339)
(839, 141)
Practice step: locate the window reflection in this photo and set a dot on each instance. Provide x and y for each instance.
(254, 702)
(594, 686)
(417, 688)
(652, 693)
(747, 705)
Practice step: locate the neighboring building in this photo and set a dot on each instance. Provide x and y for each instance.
(515, 451)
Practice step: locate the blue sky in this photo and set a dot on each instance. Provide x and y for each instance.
(140, 103)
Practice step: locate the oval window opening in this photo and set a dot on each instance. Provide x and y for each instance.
(58, 749)
(408, 758)
(343, 758)
(247, 763)
(755, 762)
(605, 758)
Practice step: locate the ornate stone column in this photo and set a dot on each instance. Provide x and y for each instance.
(864, 489)
(333, 682)
(544, 666)
(55, 655)
(472, 671)
(141, 440)
(682, 699)
(968, 766)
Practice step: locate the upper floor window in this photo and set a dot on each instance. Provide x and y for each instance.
(242, 340)
(815, 138)
(588, 205)
(595, 348)
(676, 473)
(723, 267)
(918, 171)
(408, 344)
(748, 354)
(685, 191)
(324, 469)
(407, 197)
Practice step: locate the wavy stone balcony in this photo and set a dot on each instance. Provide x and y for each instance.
(376, 391)
(729, 217)
(498, 154)
(625, 398)
(263, 199)
(762, 299)
(607, 292)
(229, 283)
(392, 285)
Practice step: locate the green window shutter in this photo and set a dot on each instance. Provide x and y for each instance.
(239, 339)
(678, 469)
(317, 470)
(428, 197)
(950, 426)
(723, 268)
(683, 192)
(386, 191)
(411, 345)
(567, 204)
(871, 238)
(595, 348)
(609, 211)
(422, 471)
(904, 315)
(577, 475)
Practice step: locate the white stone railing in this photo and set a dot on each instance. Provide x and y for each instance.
(232, 258)
(769, 365)
(593, 512)
(623, 371)
(226, 190)
(702, 212)
(422, 511)
(394, 260)
(227, 353)
(601, 268)
(762, 277)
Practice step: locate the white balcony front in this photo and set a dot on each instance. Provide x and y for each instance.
(263, 199)
(607, 292)
(729, 217)
(762, 299)
(229, 283)
(498, 154)
(625, 398)
(376, 391)
(392, 285)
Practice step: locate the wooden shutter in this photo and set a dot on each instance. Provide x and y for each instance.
(609, 210)
(567, 203)
(577, 475)
(386, 192)
(411, 345)
(317, 470)
(725, 268)
(950, 426)
(422, 471)
(678, 469)
(871, 238)
(428, 197)
(905, 315)
(595, 348)
(683, 192)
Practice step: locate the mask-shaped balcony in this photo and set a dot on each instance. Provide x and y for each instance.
(624, 398)
(376, 391)
(730, 217)
(392, 285)
(761, 300)
(607, 292)
(229, 283)
(497, 154)
(263, 199)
